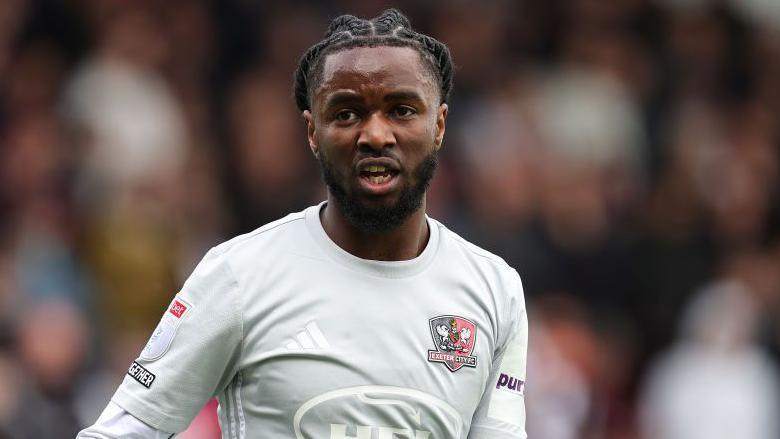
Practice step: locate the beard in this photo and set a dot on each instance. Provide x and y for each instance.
(369, 219)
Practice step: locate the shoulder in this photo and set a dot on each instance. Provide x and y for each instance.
(253, 250)
(263, 234)
(493, 271)
(493, 275)
(470, 253)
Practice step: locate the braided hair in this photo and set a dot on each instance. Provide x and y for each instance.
(391, 28)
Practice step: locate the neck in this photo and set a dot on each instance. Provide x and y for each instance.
(405, 242)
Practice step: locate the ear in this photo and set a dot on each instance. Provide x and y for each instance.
(311, 132)
(441, 117)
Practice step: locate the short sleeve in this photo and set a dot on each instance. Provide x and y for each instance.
(115, 422)
(193, 353)
(501, 412)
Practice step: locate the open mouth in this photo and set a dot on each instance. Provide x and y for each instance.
(377, 174)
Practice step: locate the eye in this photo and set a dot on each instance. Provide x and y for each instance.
(346, 116)
(404, 112)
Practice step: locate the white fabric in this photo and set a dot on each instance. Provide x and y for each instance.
(299, 339)
(116, 423)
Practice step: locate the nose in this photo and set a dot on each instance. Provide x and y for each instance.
(376, 133)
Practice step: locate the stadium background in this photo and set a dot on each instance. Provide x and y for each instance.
(622, 155)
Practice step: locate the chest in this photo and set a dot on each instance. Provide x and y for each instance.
(333, 350)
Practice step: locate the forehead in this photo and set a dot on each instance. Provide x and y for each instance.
(375, 70)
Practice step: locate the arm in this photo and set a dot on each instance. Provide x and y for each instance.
(193, 353)
(115, 423)
(501, 412)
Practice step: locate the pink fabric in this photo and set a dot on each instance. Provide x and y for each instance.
(205, 425)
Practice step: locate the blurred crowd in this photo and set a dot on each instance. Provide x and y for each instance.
(623, 155)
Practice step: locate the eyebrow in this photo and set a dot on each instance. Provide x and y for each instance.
(347, 97)
(343, 97)
(403, 95)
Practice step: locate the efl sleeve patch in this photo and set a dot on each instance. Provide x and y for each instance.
(178, 308)
(163, 335)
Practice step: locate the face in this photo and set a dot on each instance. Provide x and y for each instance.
(376, 126)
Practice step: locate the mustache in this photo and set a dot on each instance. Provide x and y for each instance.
(370, 153)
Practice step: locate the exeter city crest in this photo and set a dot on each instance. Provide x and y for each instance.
(454, 338)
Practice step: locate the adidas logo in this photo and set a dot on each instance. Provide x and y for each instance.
(310, 337)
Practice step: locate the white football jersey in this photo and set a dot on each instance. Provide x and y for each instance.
(300, 339)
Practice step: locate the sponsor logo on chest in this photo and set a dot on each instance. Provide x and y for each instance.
(339, 431)
(377, 412)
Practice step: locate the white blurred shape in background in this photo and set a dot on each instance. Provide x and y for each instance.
(132, 123)
(716, 382)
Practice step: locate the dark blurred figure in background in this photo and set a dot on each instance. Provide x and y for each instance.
(623, 154)
(51, 344)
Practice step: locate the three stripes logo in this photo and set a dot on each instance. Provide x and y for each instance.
(310, 337)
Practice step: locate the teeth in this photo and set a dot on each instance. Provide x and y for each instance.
(375, 179)
(375, 168)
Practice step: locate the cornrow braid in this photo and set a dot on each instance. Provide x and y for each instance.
(390, 28)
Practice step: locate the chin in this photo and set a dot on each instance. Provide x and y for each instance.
(373, 201)
(378, 214)
(370, 210)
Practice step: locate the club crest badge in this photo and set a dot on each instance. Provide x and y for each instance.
(454, 339)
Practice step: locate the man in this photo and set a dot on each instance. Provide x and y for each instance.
(357, 318)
